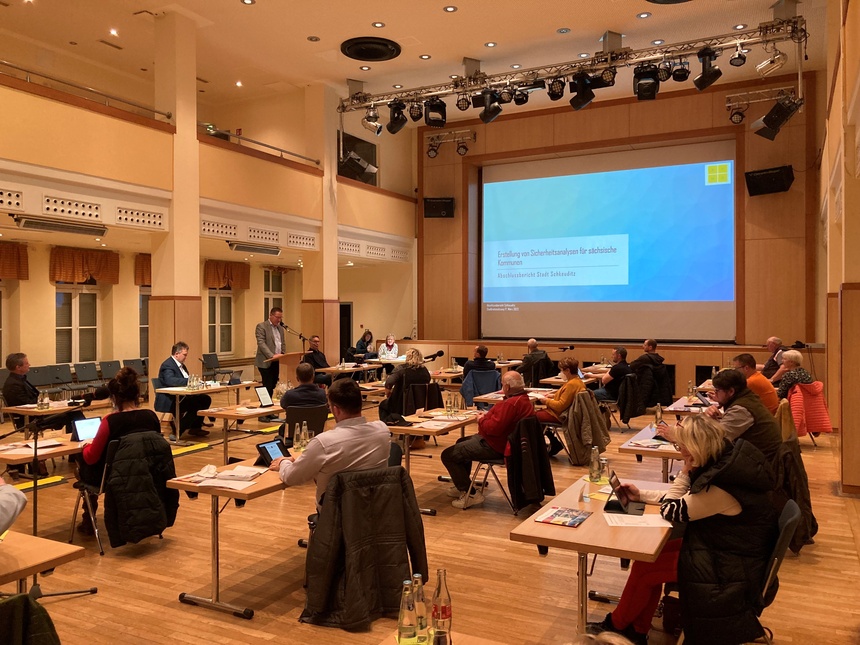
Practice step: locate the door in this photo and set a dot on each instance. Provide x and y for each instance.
(345, 328)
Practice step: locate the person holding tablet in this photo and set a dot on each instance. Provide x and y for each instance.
(722, 497)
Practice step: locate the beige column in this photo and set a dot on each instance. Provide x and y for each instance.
(849, 318)
(320, 303)
(175, 308)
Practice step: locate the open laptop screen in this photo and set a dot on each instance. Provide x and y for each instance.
(85, 429)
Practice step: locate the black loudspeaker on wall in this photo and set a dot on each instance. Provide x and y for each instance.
(770, 180)
(438, 207)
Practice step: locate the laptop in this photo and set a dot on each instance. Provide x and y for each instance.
(264, 396)
(621, 503)
(86, 429)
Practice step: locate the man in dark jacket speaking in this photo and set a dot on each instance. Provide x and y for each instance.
(490, 442)
(353, 444)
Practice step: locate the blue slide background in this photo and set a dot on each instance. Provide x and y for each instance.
(682, 231)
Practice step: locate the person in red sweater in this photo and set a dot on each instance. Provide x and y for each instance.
(490, 442)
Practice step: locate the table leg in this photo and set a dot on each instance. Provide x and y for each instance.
(226, 451)
(407, 439)
(215, 601)
(22, 585)
(582, 591)
(176, 418)
(665, 471)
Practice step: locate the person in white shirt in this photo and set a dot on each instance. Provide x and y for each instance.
(353, 444)
(12, 502)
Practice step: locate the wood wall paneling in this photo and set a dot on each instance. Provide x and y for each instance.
(834, 360)
(443, 275)
(849, 305)
(605, 124)
(669, 114)
(775, 289)
(505, 135)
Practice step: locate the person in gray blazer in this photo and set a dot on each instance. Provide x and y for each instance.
(270, 345)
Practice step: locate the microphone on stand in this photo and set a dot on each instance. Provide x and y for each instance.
(99, 394)
(433, 357)
(564, 349)
(798, 344)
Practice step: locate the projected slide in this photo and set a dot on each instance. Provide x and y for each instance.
(617, 254)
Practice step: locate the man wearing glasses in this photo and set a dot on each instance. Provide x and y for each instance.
(316, 359)
(174, 373)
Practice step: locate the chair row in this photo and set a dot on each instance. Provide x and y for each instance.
(57, 379)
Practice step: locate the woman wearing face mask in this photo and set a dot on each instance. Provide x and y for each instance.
(560, 401)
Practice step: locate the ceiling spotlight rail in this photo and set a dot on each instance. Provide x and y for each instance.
(227, 135)
(106, 99)
(677, 55)
(745, 99)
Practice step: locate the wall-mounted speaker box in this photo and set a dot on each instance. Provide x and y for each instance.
(770, 180)
(438, 207)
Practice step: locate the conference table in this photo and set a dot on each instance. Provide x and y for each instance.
(685, 407)
(17, 454)
(237, 413)
(594, 535)
(558, 381)
(497, 397)
(643, 444)
(268, 482)
(347, 368)
(30, 410)
(179, 391)
(23, 555)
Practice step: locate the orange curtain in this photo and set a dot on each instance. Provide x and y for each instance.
(79, 265)
(14, 263)
(143, 270)
(218, 274)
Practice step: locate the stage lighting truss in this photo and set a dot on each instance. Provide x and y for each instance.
(737, 104)
(459, 137)
(674, 59)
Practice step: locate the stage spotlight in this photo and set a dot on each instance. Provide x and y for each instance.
(664, 71)
(462, 149)
(492, 109)
(555, 88)
(521, 97)
(646, 83)
(358, 166)
(463, 102)
(769, 125)
(737, 116)
(435, 113)
(506, 95)
(608, 76)
(738, 59)
(772, 64)
(433, 150)
(710, 72)
(581, 86)
(681, 72)
(416, 111)
(371, 121)
(397, 121)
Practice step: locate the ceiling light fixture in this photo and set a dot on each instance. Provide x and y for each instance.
(433, 150)
(449, 9)
(581, 86)
(643, 15)
(555, 88)
(563, 30)
(740, 26)
(462, 149)
(646, 82)
(681, 71)
(584, 55)
(238, 83)
(521, 97)
(463, 103)
(710, 72)
(608, 75)
(492, 109)
(424, 57)
(664, 71)
(377, 25)
(416, 111)
(314, 39)
(738, 58)
(490, 44)
(371, 121)
(658, 42)
(435, 113)
(248, 2)
(397, 120)
(516, 66)
(114, 32)
(364, 68)
(769, 125)
(737, 116)
(358, 165)
(506, 94)
(772, 64)
(398, 86)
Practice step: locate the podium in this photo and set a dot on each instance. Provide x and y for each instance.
(289, 361)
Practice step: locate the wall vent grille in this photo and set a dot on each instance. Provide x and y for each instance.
(11, 200)
(65, 207)
(264, 235)
(302, 241)
(348, 247)
(139, 218)
(217, 229)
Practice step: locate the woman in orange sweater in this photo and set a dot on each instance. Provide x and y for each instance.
(561, 400)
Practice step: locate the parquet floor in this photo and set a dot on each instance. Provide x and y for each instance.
(502, 590)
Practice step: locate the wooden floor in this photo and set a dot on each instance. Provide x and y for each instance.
(502, 590)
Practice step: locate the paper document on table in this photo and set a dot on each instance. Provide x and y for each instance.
(649, 443)
(44, 443)
(651, 520)
(226, 483)
(241, 473)
(666, 446)
(246, 410)
(433, 425)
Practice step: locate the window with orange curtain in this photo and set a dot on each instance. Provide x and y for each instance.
(76, 314)
(220, 321)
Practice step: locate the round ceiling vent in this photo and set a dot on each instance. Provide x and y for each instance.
(370, 48)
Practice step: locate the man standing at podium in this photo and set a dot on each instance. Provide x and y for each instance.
(270, 347)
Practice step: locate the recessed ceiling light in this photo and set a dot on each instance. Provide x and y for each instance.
(397, 87)
(644, 14)
(114, 32)
(740, 26)
(659, 41)
(364, 68)
(238, 83)
(72, 42)
(563, 30)
(449, 9)
(103, 244)
(745, 50)
(516, 66)
(584, 55)
(144, 69)
(202, 91)
(490, 44)
(98, 239)
(424, 57)
(378, 25)
(453, 77)
(314, 39)
(247, 1)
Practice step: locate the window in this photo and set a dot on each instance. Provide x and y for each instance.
(220, 321)
(77, 322)
(145, 292)
(273, 291)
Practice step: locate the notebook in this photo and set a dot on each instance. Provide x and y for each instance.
(85, 429)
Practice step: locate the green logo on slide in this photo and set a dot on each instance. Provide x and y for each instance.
(717, 173)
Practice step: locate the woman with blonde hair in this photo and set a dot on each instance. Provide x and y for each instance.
(792, 360)
(388, 351)
(560, 401)
(399, 382)
(722, 497)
